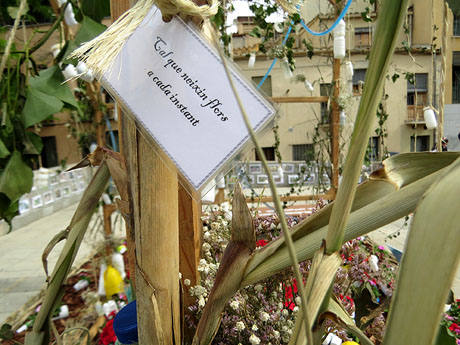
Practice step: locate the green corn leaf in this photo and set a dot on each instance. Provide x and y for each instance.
(383, 211)
(76, 231)
(429, 263)
(391, 16)
(398, 172)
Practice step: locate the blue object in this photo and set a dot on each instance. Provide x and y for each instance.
(125, 324)
(397, 253)
(339, 18)
(314, 33)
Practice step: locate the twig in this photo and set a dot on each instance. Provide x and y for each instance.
(6, 54)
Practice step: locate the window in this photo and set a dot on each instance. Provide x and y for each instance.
(269, 153)
(359, 75)
(417, 86)
(456, 25)
(456, 77)
(49, 153)
(363, 37)
(423, 143)
(245, 20)
(325, 90)
(303, 152)
(266, 86)
(373, 149)
(456, 84)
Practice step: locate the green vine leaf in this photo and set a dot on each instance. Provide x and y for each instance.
(13, 11)
(444, 338)
(17, 177)
(3, 150)
(96, 10)
(50, 81)
(32, 144)
(88, 30)
(6, 332)
(39, 106)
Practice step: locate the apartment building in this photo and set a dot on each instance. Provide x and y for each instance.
(413, 82)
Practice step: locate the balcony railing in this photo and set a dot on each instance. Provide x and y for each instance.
(415, 113)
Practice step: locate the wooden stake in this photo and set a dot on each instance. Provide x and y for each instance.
(117, 8)
(335, 118)
(154, 191)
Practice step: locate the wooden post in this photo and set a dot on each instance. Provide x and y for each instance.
(335, 118)
(154, 198)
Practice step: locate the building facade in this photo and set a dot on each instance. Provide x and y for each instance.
(413, 82)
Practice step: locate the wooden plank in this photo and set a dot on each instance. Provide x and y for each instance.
(317, 99)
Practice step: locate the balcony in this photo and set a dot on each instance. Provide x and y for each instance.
(415, 115)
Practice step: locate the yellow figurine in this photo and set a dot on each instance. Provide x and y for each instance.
(113, 283)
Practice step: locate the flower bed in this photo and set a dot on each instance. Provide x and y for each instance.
(265, 312)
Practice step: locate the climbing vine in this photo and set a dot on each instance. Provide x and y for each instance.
(33, 93)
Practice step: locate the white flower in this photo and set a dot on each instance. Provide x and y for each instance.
(298, 300)
(285, 312)
(206, 247)
(180, 276)
(240, 326)
(203, 266)
(187, 282)
(276, 334)
(280, 306)
(258, 287)
(207, 236)
(264, 316)
(235, 305)
(198, 290)
(254, 327)
(201, 302)
(296, 309)
(254, 340)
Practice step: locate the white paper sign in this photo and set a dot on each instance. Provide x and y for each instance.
(170, 78)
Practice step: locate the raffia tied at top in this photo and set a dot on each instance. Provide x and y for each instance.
(100, 53)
